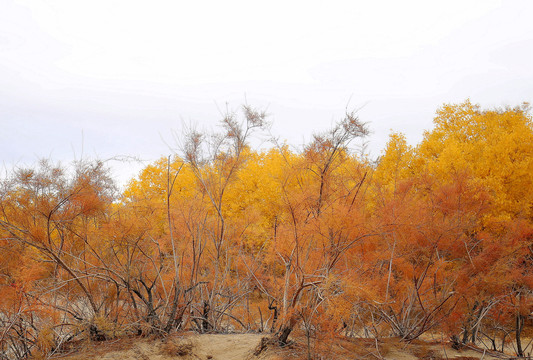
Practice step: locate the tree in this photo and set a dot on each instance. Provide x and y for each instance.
(319, 223)
(494, 146)
(47, 215)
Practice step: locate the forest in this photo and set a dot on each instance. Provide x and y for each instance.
(322, 241)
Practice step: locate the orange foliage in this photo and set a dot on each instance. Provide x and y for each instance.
(322, 242)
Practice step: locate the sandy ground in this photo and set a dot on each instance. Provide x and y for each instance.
(242, 346)
(208, 347)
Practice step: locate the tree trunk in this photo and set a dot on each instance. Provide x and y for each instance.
(286, 330)
(206, 326)
(518, 333)
(275, 317)
(284, 334)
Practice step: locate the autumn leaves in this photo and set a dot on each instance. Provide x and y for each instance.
(323, 242)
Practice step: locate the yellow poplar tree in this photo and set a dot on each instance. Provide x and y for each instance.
(494, 146)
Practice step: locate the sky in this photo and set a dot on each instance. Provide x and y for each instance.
(118, 80)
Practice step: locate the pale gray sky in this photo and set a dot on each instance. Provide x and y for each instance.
(118, 76)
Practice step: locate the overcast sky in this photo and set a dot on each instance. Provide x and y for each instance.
(107, 78)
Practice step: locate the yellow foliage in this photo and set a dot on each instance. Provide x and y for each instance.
(394, 164)
(494, 146)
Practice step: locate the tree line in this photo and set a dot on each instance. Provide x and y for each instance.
(432, 238)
